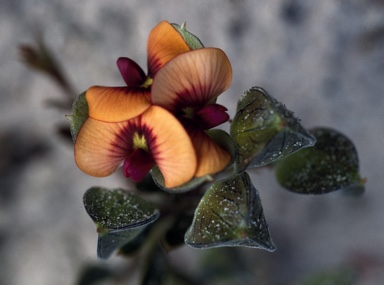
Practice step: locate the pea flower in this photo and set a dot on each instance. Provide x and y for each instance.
(160, 118)
(188, 86)
(114, 104)
(154, 137)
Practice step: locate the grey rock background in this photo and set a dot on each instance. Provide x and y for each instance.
(323, 59)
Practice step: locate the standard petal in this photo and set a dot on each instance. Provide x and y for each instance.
(170, 146)
(131, 72)
(192, 79)
(116, 104)
(100, 147)
(211, 158)
(164, 43)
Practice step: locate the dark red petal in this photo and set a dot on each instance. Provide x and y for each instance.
(138, 164)
(212, 115)
(131, 72)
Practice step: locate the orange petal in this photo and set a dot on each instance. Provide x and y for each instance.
(115, 104)
(101, 147)
(97, 150)
(164, 43)
(171, 146)
(193, 78)
(210, 156)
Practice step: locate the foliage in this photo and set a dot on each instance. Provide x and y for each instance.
(192, 184)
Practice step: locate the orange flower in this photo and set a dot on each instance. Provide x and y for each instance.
(115, 104)
(188, 87)
(154, 137)
(160, 118)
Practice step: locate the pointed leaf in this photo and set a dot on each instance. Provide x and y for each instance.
(230, 214)
(80, 113)
(330, 165)
(118, 215)
(264, 130)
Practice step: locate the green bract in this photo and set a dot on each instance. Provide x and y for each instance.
(192, 41)
(265, 131)
(330, 165)
(79, 115)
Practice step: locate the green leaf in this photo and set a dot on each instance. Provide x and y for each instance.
(332, 164)
(264, 130)
(221, 138)
(119, 216)
(230, 214)
(79, 115)
(192, 41)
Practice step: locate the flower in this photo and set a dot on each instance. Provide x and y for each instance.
(114, 104)
(188, 87)
(154, 137)
(160, 118)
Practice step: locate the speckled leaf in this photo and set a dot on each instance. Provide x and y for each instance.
(332, 164)
(192, 41)
(119, 217)
(221, 138)
(230, 214)
(264, 130)
(79, 115)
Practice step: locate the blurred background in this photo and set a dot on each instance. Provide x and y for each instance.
(323, 59)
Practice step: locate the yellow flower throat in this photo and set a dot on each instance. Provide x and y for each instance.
(139, 142)
(147, 83)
